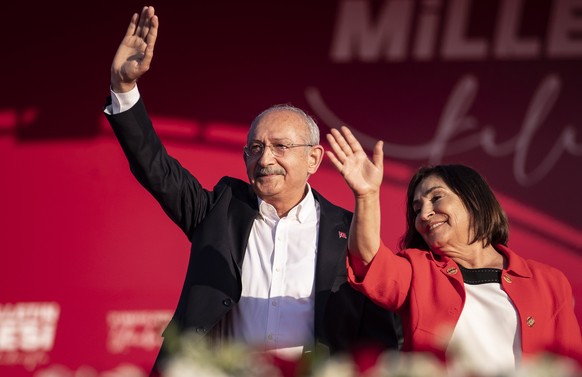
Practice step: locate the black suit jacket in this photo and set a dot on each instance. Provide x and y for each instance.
(218, 223)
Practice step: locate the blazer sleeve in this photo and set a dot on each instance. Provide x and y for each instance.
(568, 340)
(178, 192)
(387, 281)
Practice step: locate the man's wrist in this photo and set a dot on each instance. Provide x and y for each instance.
(122, 87)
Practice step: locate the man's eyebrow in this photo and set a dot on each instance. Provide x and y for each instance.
(283, 139)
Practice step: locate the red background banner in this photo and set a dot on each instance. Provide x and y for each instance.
(92, 267)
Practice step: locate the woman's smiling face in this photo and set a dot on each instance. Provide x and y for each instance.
(441, 217)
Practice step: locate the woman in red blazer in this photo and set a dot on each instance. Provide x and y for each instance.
(461, 292)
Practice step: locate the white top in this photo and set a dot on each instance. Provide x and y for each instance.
(487, 338)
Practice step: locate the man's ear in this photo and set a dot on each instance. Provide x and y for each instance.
(315, 158)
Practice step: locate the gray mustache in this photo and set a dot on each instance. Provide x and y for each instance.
(270, 170)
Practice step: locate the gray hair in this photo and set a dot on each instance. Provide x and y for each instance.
(312, 128)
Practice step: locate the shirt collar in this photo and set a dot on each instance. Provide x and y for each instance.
(301, 212)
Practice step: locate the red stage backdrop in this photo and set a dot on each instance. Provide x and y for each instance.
(92, 268)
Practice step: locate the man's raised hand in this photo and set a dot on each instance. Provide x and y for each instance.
(134, 55)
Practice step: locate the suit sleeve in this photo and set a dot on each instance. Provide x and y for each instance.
(178, 192)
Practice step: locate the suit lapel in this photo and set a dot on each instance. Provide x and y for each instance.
(332, 244)
(242, 211)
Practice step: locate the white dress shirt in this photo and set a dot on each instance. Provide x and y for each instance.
(122, 101)
(275, 312)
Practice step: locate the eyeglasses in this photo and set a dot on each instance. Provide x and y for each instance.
(278, 150)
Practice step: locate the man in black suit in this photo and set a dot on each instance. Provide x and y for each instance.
(267, 264)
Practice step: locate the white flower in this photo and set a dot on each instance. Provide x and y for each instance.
(406, 364)
(339, 366)
(183, 367)
(549, 365)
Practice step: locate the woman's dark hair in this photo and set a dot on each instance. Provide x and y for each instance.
(487, 217)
